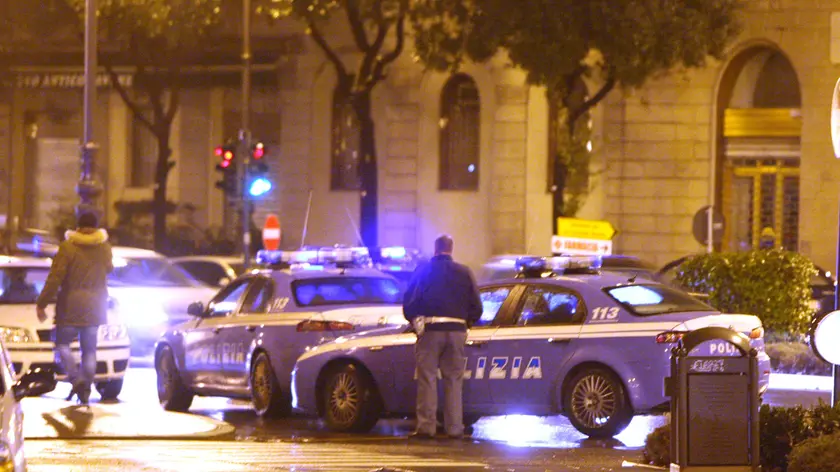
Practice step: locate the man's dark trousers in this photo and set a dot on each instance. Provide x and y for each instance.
(442, 350)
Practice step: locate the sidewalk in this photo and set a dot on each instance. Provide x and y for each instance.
(51, 418)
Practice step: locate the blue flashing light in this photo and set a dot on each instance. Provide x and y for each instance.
(259, 187)
(395, 252)
(558, 265)
(396, 268)
(316, 258)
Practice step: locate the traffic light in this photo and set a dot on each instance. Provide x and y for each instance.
(227, 166)
(258, 181)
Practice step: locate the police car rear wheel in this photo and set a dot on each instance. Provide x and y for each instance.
(596, 403)
(109, 389)
(350, 400)
(172, 393)
(269, 400)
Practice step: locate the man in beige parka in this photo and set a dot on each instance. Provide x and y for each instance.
(78, 284)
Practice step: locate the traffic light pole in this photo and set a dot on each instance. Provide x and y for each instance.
(89, 187)
(245, 132)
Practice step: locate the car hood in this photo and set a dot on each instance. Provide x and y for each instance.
(173, 300)
(23, 316)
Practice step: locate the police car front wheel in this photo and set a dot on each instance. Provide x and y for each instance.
(351, 403)
(596, 403)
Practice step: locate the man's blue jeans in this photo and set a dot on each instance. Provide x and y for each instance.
(87, 336)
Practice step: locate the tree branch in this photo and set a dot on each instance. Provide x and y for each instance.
(174, 96)
(357, 27)
(318, 37)
(574, 115)
(379, 69)
(131, 103)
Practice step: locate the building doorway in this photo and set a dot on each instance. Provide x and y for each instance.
(759, 152)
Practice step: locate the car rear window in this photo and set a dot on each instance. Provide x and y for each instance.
(346, 291)
(647, 300)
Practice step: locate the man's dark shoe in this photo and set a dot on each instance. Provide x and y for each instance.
(420, 435)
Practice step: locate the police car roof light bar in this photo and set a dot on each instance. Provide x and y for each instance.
(337, 256)
(533, 266)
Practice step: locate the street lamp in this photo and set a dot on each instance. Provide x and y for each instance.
(89, 187)
(835, 140)
(245, 132)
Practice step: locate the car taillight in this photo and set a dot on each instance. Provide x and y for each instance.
(669, 337)
(757, 333)
(317, 325)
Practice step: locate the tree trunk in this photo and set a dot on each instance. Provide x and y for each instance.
(159, 207)
(367, 170)
(559, 186)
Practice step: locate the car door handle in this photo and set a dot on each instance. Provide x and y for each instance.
(558, 340)
(476, 343)
(250, 329)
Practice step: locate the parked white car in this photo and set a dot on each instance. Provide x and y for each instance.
(30, 341)
(151, 294)
(215, 271)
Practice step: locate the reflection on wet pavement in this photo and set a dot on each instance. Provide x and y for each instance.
(557, 432)
(513, 430)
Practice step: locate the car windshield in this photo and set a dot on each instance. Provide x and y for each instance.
(346, 291)
(149, 272)
(647, 300)
(21, 285)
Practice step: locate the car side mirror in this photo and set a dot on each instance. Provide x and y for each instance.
(223, 281)
(196, 309)
(34, 383)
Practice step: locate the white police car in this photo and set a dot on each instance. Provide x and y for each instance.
(33, 383)
(560, 338)
(245, 342)
(30, 341)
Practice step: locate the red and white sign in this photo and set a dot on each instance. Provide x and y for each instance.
(271, 233)
(577, 246)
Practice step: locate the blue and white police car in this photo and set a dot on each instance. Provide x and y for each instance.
(561, 337)
(244, 343)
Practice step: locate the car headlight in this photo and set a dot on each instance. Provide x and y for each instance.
(140, 313)
(112, 332)
(15, 335)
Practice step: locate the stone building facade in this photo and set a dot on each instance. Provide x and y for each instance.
(748, 135)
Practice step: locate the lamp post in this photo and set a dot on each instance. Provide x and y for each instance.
(245, 132)
(835, 140)
(88, 187)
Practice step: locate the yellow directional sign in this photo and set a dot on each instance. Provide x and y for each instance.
(585, 229)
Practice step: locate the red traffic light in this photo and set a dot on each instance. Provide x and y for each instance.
(225, 164)
(219, 151)
(259, 151)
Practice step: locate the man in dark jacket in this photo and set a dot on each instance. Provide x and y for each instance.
(78, 283)
(441, 302)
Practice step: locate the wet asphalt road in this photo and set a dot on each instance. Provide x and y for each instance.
(509, 443)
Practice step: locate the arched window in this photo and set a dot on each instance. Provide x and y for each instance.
(345, 144)
(460, 119)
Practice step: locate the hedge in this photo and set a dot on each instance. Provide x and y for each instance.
(772, 284)
(782, 429)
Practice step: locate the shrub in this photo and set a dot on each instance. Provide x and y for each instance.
(781, 430)
(658, 446)
(795, 358)
(772, 284)
(816, 454)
